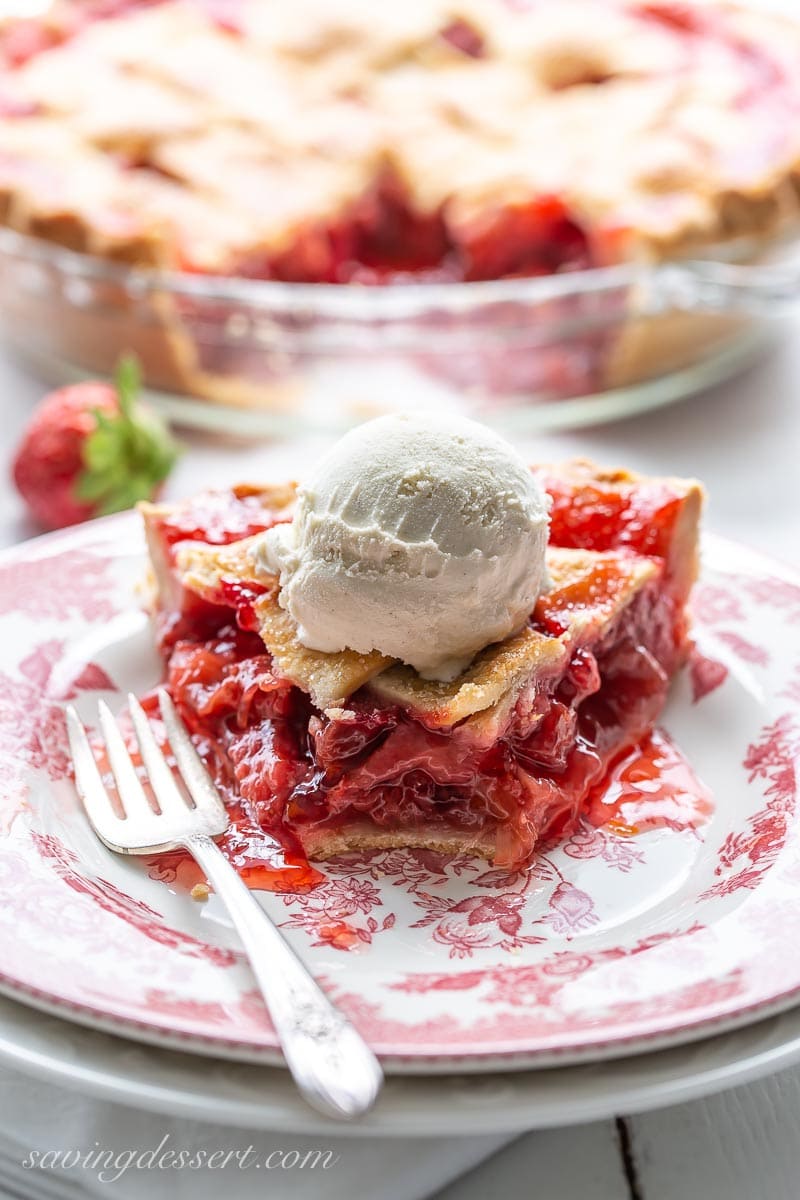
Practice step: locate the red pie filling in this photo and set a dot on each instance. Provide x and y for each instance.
(295, 771)
(382, 239)
(295, 768)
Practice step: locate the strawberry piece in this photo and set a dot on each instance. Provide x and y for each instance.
(92, 449)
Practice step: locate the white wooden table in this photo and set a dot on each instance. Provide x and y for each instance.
(743, 440)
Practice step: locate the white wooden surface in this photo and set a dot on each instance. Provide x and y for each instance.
(743, 440)
(556, 1164)
(740, 1145)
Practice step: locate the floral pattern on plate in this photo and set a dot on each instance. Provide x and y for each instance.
(671, 911)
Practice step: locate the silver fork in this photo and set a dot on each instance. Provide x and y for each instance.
(330, 1062)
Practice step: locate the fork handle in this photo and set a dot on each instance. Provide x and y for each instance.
(329, 1060)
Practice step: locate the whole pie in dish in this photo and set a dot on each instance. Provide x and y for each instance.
(354, 142)
(345, 750)
(357, 143)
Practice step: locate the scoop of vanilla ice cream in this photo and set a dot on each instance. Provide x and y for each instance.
(422, 537)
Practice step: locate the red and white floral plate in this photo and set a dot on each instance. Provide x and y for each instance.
(678, 918)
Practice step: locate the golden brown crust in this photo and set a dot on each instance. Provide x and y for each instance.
(681, 559)
(321, 843)
(591, 591)
(328, 678)
(573, 570)
(202, 567)
(648, 347)
(165, 583)
(605, 585)
(497, 670)
(618, 118)
(158, 135)
(277, 499)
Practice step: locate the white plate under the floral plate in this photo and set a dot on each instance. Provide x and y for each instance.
(248, 1096)
(665, 925)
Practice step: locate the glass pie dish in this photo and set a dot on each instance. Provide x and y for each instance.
(258, 357)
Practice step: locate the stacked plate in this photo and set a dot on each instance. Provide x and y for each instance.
(637, 964)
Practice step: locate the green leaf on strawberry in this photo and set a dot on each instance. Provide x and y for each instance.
(128, 454)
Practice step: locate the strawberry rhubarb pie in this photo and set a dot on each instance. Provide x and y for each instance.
(427, 644)
(349, 142)
(357, 142)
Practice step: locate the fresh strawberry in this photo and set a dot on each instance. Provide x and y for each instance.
(92, 449)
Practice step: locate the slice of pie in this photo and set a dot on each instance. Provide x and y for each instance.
(356, 751)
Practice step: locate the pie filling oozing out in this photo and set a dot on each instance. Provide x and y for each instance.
(342, 751)
(354, 142)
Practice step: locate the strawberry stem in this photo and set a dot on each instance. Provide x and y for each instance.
(129, 453)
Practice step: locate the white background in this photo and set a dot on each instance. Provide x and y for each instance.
(741, 439)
